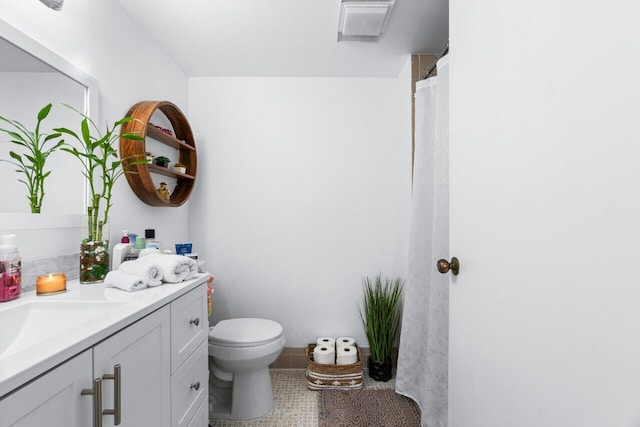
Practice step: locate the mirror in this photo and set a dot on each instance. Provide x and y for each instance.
(31, 76)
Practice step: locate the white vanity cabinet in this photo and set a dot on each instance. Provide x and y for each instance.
(153, 372)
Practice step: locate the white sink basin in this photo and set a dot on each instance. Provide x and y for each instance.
(26, 325)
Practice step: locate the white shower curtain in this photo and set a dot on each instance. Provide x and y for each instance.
(424, 339)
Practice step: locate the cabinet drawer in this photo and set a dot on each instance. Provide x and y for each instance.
(189, 325)
(201, 418)
(189, 387)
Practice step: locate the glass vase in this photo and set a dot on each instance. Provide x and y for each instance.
(94, 252)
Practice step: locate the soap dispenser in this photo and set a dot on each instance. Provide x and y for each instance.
(10, 269)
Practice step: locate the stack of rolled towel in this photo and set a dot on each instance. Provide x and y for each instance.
(151, 270)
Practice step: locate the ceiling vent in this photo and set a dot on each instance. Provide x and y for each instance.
(363, 20)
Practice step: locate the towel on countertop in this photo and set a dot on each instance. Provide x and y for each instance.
(175, 268)
(124, 281)
(150, 271)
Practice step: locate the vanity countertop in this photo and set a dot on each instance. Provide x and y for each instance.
(115, 310)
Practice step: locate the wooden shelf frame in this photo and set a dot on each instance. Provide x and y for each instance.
(139, 177)
(167, 139)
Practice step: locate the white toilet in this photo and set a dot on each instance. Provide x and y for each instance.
(240, 351)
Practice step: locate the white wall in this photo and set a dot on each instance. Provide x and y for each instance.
(303, 187)
(102, 40)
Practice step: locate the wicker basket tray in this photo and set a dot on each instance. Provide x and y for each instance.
(325, 377)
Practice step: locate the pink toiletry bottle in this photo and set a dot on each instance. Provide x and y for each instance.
(10, 269)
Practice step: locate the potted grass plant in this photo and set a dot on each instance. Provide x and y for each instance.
(102, 167)
(380, 314)
(36, 147)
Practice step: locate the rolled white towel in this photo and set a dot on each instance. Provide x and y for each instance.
(175, 268)
(126, 282)
(147, 270)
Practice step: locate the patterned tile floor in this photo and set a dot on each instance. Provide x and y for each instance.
(295, 404)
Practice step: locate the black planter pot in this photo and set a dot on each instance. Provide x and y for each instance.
(380, 371)
(162, 163)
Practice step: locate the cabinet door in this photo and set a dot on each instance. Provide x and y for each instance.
(54, 399)
(142, 351)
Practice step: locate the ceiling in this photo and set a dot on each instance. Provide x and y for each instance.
(285, 37)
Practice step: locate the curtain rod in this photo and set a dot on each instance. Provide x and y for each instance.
(431, 69)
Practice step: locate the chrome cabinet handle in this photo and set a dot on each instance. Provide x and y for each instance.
(195, 386)
(96, 392)
(195, 321)
(117, 394)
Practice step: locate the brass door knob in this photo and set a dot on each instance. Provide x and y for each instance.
(444, 266)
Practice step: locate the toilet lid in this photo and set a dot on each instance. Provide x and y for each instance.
(243, 332)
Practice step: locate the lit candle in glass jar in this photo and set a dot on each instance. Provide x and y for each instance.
(49, 284)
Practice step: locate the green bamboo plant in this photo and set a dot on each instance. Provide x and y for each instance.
(101, 167)
(380, 314)
(36, 148)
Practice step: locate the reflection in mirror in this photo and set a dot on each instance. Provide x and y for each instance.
(31, 76)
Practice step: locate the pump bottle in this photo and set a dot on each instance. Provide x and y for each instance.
(10, 269)
(121, 251)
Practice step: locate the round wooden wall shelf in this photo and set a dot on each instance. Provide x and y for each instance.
(140, 181)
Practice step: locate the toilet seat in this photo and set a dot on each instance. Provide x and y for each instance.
(246, 332)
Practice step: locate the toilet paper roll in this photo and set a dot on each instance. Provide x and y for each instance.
(347, 355)
(326, 341)
(345, 341)
(324, 355)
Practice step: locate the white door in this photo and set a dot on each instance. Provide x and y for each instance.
(545, 214)
(142, 351)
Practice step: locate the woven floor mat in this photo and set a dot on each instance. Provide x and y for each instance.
(370, 408)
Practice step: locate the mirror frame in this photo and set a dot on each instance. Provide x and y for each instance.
(32, 47)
